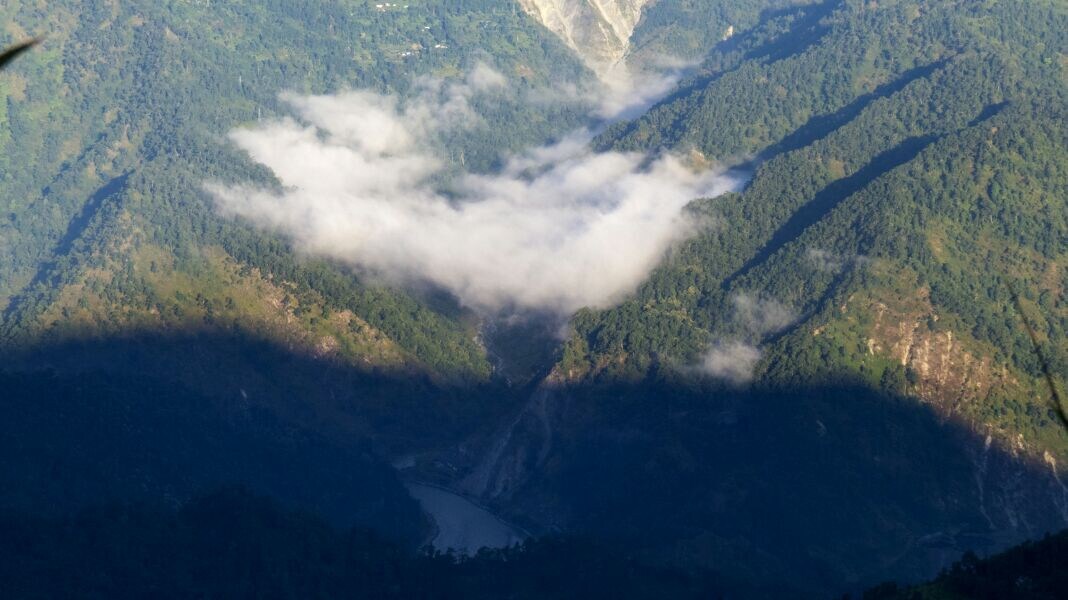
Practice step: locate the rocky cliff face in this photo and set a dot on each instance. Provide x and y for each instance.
(598, 30)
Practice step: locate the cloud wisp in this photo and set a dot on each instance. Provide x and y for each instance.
(627, 94)
(735, 360)
(827, 261)
(621, 93)
(732, 362)
(762, 316)
(558, 228)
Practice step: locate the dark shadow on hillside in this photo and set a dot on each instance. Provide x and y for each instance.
(169, 416)
(747, 45)
(164, 417)
(401, 406)
(75, 230)
(803, 31)
(989, 112)
(77, 440)
(831, 196)
(821, 126)
(92, 206)
(216, 546)
(820, 487)
(825, 487)
(731, 54)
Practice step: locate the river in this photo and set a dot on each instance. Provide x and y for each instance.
(462, 525)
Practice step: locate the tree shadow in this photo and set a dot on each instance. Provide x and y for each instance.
(804, 31)
(75, 231)
(821, 126)
(734, 52)
(988, 112)
(831, 196)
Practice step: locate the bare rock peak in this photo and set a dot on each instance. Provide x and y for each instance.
(598, 30)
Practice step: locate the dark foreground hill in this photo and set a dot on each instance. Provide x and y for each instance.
(1034, 570)
(232, 544)
(235, 544)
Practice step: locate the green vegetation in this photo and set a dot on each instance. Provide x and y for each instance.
(108, 133)
(911, 167)
(116, 123)
(910, 164)
(927, 160)
(688, 29)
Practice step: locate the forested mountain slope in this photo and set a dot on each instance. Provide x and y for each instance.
(158, 350)
(686, 30)
(851, 312)
(110, 243)
(914, 197)
(111, 129)
(828, 385)
(131, 119)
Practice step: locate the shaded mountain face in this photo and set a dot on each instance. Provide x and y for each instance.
(1031, 570)
(825, 384)
(598, 30)
(139, 440)
(234, 544)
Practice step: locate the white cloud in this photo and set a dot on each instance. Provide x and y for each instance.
(484, 78)
(755, 316)
(733, 362)
(558, 228)
(762, 316)
(619, 94)
(627, 94)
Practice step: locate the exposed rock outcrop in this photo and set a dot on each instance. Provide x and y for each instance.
(598, 30)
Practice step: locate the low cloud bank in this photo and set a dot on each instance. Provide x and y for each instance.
(557, 229)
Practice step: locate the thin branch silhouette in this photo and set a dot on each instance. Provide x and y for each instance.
(1055, 395)
(13, 52)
